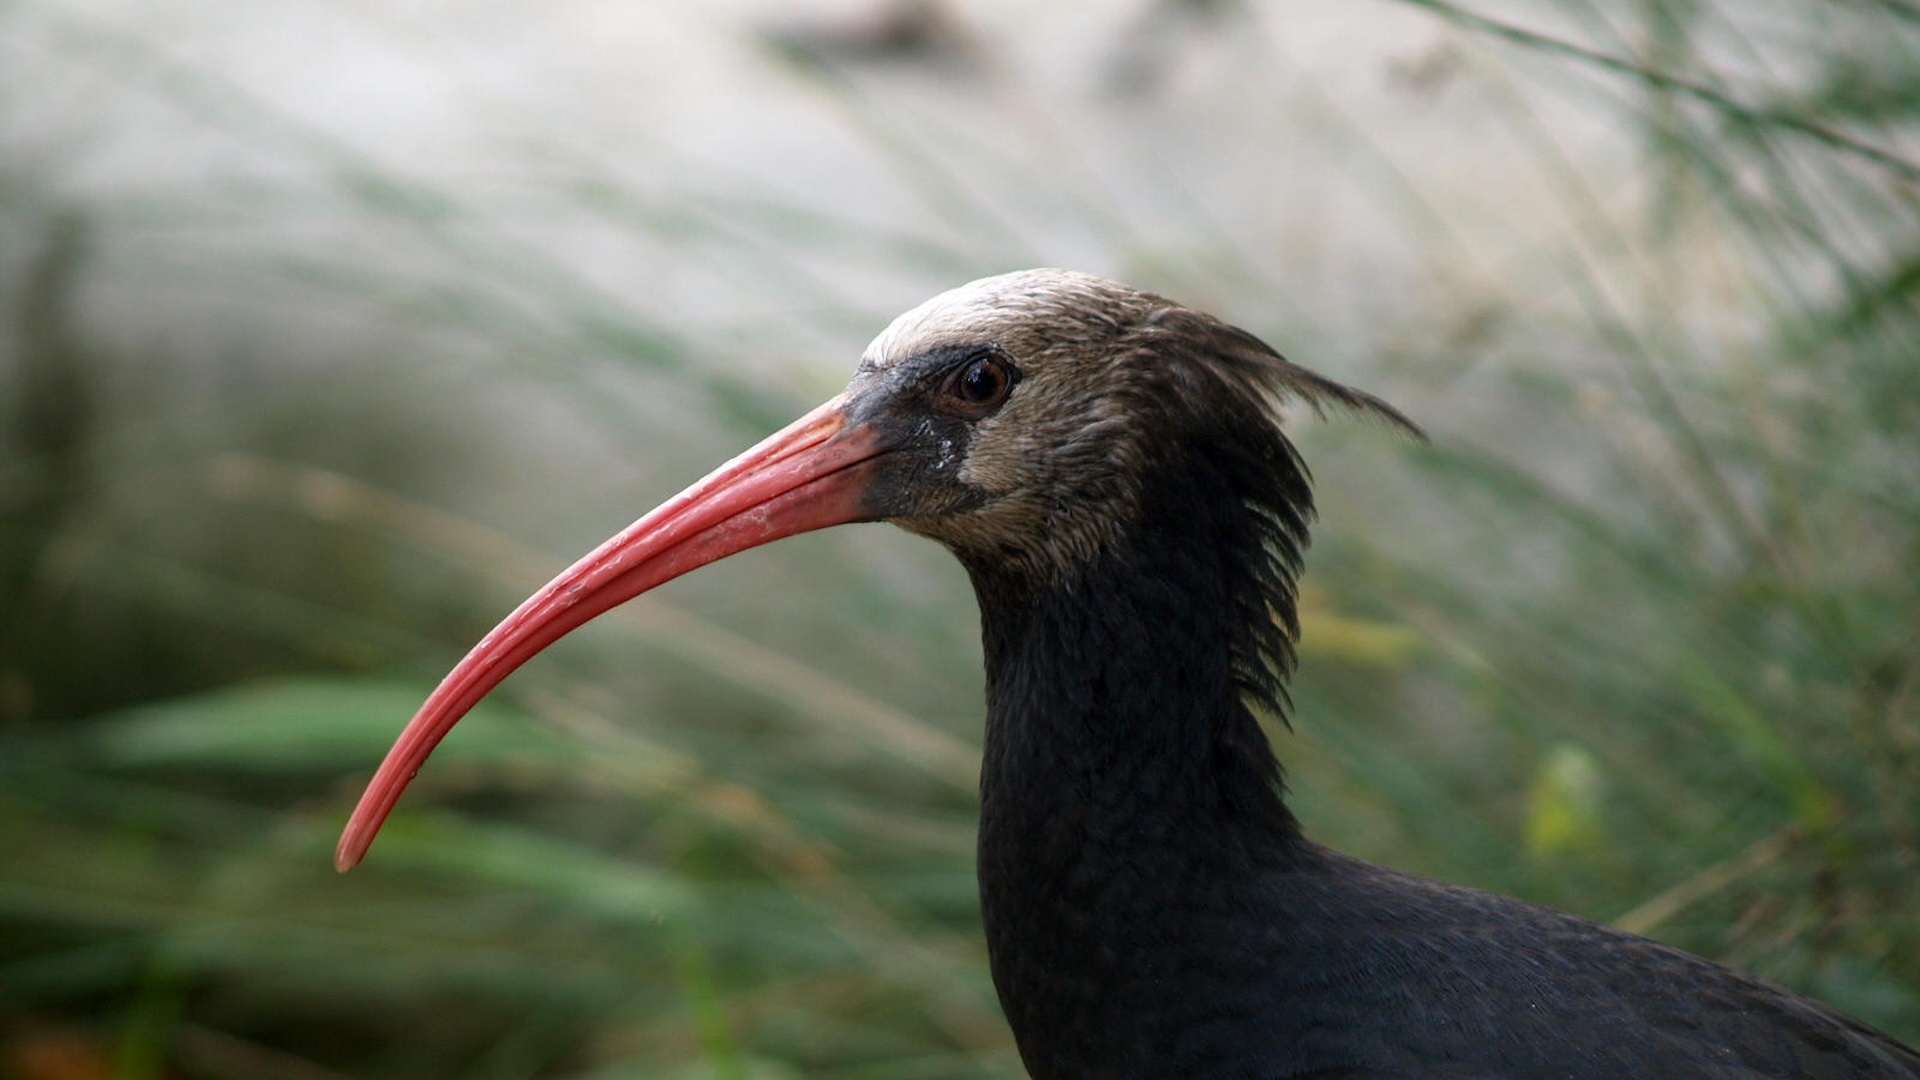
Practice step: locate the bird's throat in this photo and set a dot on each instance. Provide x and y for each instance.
(1125, 778)
(1117, 719)
(1125, 693)
(1131, 807)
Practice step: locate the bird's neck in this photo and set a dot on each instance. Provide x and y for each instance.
(1119, 728)
(1130, 804)
(1131, 812)
(1116, 719)
(1124, 691)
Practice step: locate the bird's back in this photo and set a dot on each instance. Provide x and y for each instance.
(1376, 973)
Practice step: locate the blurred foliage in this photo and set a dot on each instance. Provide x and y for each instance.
(1635, 637)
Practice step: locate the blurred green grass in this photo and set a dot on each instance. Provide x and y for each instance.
(1634, 637)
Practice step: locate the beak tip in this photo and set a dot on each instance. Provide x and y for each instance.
(350, 851)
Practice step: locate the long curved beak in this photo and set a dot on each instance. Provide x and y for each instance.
(807, 476)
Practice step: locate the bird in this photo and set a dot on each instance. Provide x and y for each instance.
(1113, 471)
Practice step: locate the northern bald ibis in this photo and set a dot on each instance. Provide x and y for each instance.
(1110, 468)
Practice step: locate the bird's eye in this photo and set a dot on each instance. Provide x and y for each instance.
(981, 384)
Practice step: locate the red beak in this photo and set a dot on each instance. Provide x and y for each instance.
(807, 476)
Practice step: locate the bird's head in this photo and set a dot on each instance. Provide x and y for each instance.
(1020, 420)
(1023, 414)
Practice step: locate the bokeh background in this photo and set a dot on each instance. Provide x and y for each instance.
(330, 329)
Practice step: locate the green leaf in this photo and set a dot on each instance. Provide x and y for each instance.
(308, 724)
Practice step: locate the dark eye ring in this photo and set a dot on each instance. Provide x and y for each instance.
(981, 384)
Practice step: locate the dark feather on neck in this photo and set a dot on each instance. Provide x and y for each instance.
(1207, 572)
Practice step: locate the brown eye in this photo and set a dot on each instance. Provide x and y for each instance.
(981, 385)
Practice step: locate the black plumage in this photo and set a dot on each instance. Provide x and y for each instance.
(1109, 467)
